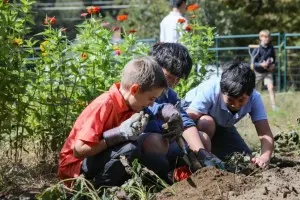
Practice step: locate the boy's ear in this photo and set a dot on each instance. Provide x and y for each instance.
(135, 88)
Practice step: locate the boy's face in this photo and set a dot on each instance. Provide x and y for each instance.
(140, 100)
(171, 79)
(264, 39)
(235, 103)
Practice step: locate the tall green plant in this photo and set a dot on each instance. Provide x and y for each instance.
(15, 48)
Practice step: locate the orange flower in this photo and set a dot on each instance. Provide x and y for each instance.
(118, 52)
(132, 31)
(84, 55)
(192, 7)
(50, 20)
(181, 173)
(122, 17)
(188, 28)
(180, 20)
(93, 9)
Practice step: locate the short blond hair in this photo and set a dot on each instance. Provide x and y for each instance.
(145, 72)
(264, 32)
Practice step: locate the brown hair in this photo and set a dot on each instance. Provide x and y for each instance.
(145, 72)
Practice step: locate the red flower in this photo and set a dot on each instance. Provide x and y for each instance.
(181, 173)
(93, 9)
(188, 28)
(84, 14)
(180, 20)
(192, 7)
(118, 52)
(5, 1)
(122, 17)
(132, 31)
(84, 55)
(50, 20)
(116, 28)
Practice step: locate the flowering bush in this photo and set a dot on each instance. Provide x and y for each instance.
(42, 96)
(197, 39)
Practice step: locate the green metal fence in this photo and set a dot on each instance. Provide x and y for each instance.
(287, 49)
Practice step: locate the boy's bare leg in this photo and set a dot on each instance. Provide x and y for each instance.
(272, 95)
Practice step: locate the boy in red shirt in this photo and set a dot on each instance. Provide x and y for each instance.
(109, 126)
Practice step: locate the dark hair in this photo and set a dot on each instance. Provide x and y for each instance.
(237, 79)
(145, 72)
(173, 57)
(177, 3)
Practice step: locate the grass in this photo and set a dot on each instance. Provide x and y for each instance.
(283, 120)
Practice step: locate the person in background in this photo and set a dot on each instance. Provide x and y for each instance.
(169, 25)
(264, 64)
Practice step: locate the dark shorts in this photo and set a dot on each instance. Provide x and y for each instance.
(106, 169)
(226, 140)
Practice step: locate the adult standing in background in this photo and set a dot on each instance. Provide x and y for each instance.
(169, 25)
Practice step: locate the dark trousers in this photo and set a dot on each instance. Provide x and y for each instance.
(106, 169)
(226, 141)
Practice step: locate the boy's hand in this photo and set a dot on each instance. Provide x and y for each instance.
(174, 124)
(208, 159)
(262, 161)
(135, 125)
(130, 129)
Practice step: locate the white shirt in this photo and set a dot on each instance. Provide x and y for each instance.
(168, 26)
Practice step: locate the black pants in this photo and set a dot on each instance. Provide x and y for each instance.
(106, 169)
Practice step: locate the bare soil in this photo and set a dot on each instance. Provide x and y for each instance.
(280, 181)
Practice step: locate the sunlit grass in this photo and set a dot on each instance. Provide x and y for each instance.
(283, 120)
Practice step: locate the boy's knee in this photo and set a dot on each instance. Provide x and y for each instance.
(207, 124)
(155, 143)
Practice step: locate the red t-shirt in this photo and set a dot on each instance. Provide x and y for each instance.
(106, 112)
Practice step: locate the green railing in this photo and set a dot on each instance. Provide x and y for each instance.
(243, 49)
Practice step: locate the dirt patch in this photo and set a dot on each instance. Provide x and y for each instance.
(280, 181)
(276, 184)
(209, 183)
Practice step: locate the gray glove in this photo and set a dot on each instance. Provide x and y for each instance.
(208, 159)
(173, 128)
(129, 130)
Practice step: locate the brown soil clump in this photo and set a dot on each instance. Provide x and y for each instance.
(209, 183)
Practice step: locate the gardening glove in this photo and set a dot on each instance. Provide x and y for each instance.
(208, 159)
(173, 126)
(129, 130)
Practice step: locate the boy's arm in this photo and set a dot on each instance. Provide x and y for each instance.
(83, 149)
(267, 143)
